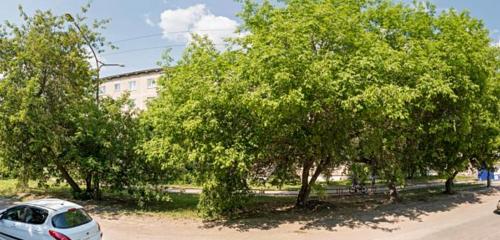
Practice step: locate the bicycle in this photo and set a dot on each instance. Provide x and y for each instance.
(358, 189)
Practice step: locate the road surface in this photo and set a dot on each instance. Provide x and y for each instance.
(465, 218)
(467, 215)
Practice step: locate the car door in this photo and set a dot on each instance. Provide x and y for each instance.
(9, 223)
(32, 226)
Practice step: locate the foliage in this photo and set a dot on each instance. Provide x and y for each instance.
(202, 126)
(51, 125)
(46, 78)
(387, 89)
(392, 87)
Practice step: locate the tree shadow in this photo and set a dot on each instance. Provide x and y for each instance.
(7, 201)
(353, 212)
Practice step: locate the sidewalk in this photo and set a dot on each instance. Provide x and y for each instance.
(335, 191)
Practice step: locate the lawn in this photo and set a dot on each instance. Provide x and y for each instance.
(180, 206)
(184, 205)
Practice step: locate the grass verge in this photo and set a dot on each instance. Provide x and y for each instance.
(184, 205)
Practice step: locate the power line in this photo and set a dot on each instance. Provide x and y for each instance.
(151, 48)
(176, 32)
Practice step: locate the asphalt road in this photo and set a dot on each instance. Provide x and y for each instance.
(467, 218)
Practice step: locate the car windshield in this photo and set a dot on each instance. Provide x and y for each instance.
(71, 218)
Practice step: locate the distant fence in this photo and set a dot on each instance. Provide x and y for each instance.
(330, 191)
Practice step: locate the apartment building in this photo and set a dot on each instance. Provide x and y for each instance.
(140, 84)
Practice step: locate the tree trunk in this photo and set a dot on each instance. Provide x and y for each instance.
(88, 183)
(488, 178)
(74, 186)
(373, 173)
(305, 189)
(23, 179)
(449, 186)
(97, 190)
(449, 183)
(393, 192)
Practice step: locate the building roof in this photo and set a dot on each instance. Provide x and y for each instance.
(140, 72)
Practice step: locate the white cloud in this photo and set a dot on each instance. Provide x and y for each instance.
(148, 20)
(178, 24)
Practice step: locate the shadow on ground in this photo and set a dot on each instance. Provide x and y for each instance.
(353, 212)
(7, 202)
(265, 213)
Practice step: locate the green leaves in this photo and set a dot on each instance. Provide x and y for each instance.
(50, 123)
(315, 84)
(46, 77)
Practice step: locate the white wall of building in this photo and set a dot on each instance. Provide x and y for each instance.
(141, 86)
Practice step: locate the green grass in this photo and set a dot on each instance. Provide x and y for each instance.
(8, 188)
(436, 179)
(427, 194)
(179, 206)
(267, 186)
(184, 205)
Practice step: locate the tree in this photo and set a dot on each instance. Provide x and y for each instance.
(454, 97)
(337, 82)
(46, 77)
(50, 122)
(438, 68)
(302, 75)
(199, 122)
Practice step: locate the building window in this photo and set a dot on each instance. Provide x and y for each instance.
(117, 87)
(132, 86)
(102, 89)
(151, 83)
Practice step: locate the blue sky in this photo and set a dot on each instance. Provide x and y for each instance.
(165, 23)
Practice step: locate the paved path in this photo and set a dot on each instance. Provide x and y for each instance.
(463, 216)
(331, 191)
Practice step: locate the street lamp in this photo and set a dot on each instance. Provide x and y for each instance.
(98, 63)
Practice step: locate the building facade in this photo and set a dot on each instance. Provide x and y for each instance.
(140, 84)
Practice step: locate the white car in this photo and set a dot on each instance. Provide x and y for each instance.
(48, 219)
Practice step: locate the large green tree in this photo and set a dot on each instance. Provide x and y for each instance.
(454, 102)
(46, 79)
(50, 122)
(312, 84)
(301, 76)
(200, 123)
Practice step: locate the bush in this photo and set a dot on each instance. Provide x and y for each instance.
(224, 197)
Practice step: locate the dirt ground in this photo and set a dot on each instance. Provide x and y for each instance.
(466, 215)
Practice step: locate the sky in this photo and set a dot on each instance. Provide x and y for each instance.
(142, 30)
